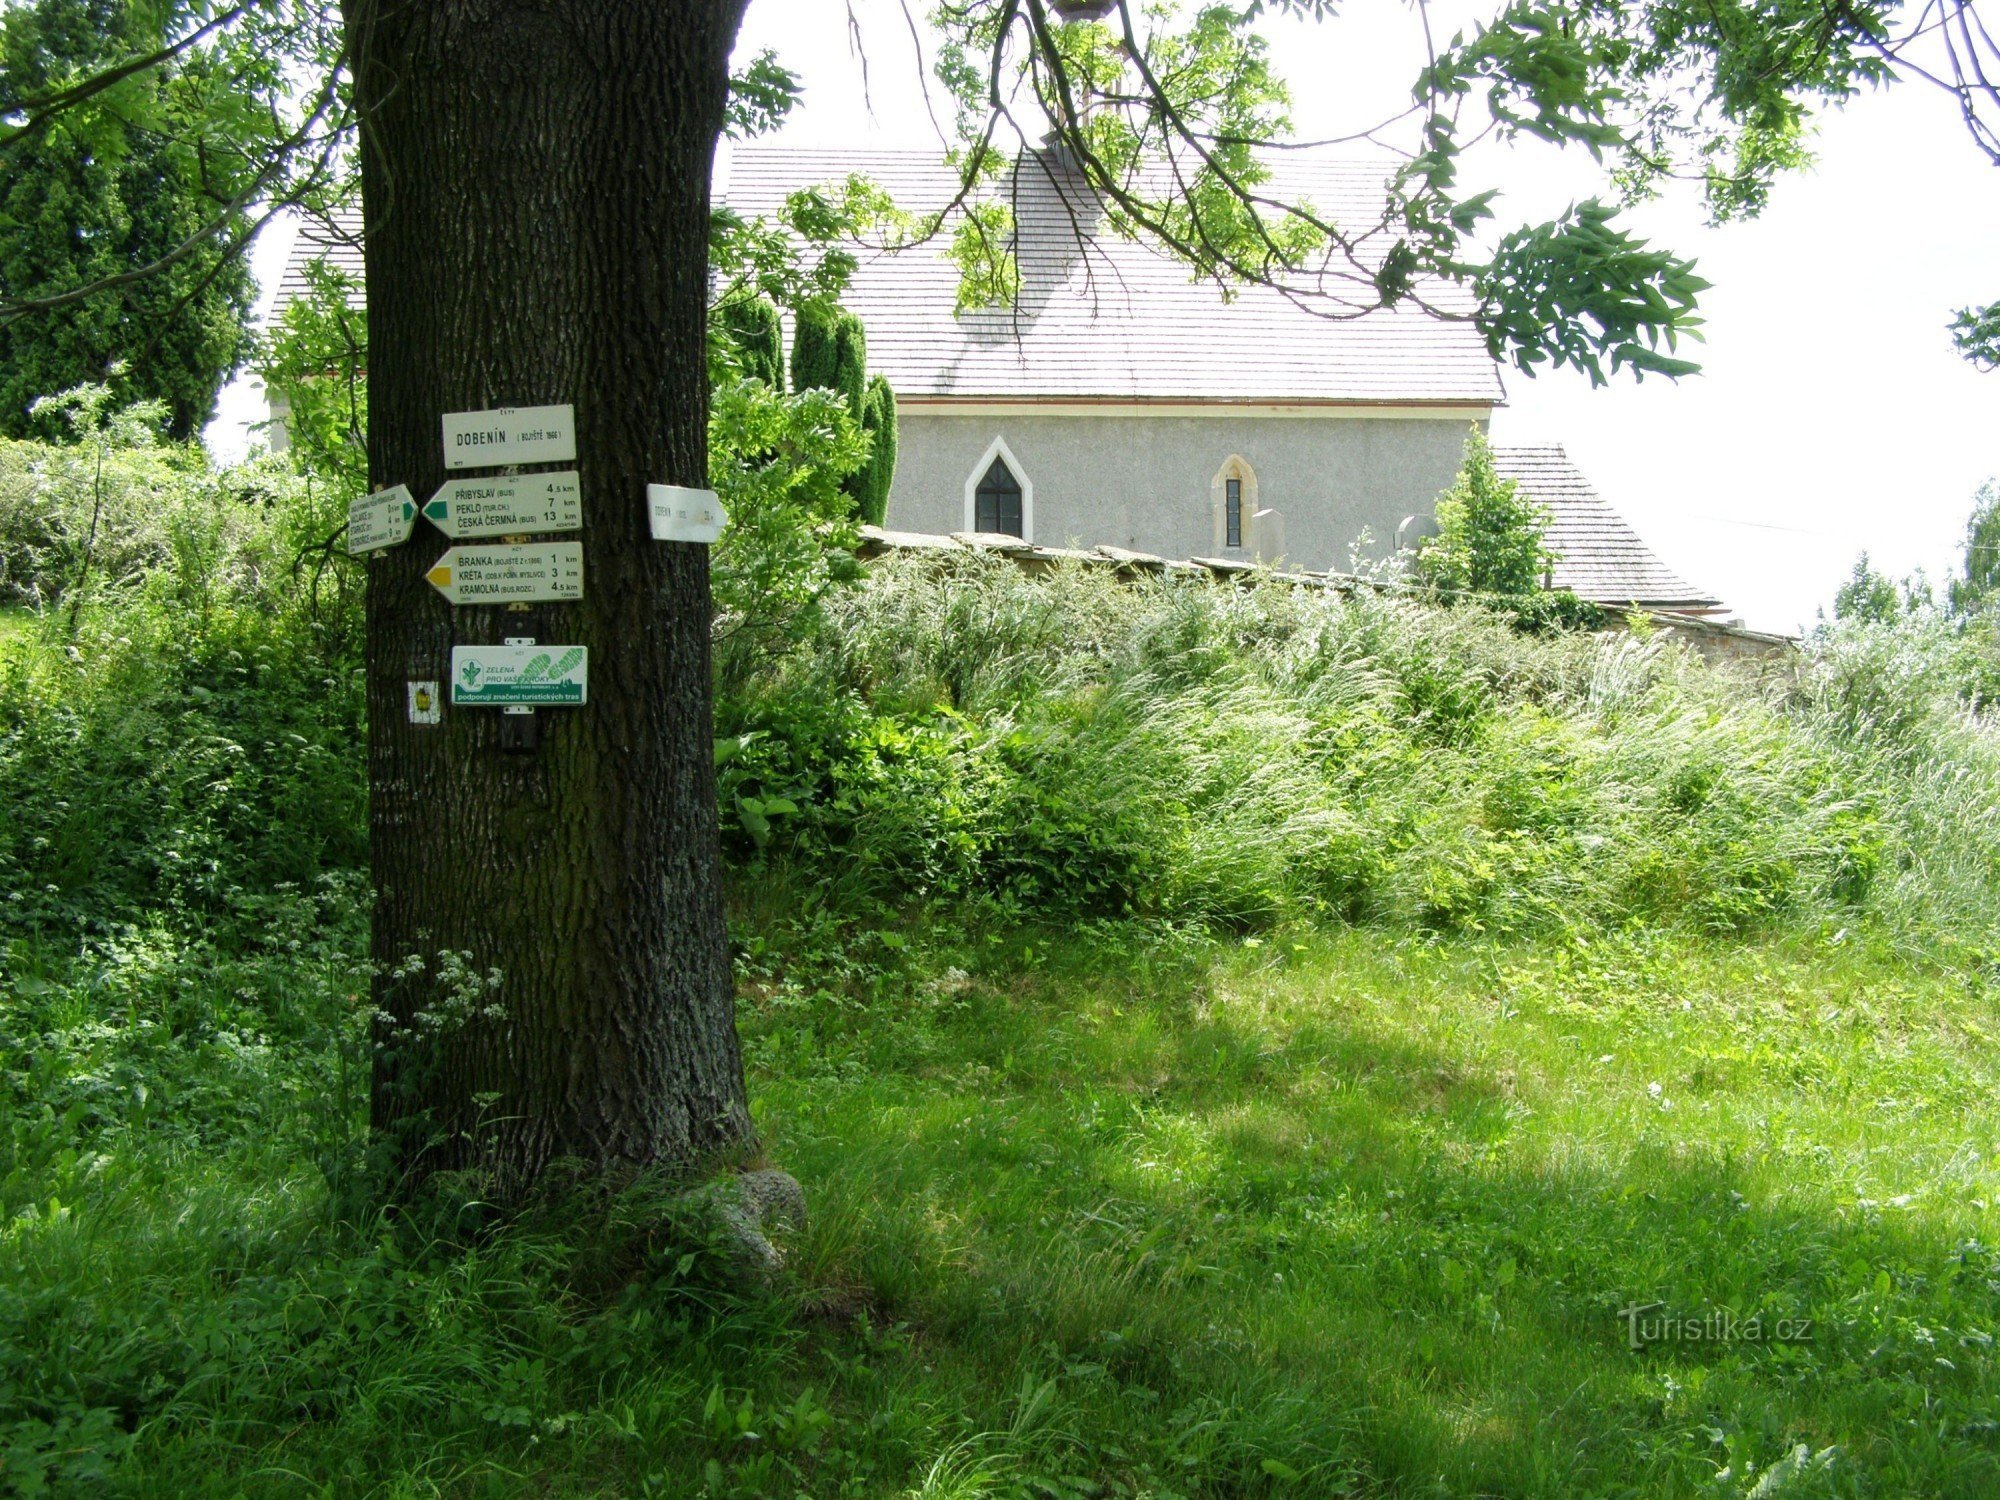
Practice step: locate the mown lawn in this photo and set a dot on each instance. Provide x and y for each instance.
(1348, 1215)
(1114, 1211)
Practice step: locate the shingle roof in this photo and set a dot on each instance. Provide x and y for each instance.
(337, 240)
(1598, 555)
(1111, 318)
(1106, 318)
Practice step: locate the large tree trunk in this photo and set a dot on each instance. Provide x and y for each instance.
(536, 181)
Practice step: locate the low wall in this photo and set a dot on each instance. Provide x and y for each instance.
(1714, 640)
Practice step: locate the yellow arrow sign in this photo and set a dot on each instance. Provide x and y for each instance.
(515, 572)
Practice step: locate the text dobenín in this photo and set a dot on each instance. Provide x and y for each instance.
(500, 435)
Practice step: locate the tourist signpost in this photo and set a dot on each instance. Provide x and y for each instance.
(511, 435)
(508, 506)
(679, 514)
(525, 573)
(383, 519)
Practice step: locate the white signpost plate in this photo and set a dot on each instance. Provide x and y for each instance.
(380, 520)
(511, 435)
(513, 676)
(524, 574)
(498, 507)
(685, 515)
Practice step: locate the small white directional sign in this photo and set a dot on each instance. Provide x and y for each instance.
(511, 676)
(500, 507)
(684, 515)
(380, 520)
(511, 435)
(510, 575)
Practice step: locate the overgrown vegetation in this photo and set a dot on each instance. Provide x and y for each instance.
(1236, 1040)
(1085, 745)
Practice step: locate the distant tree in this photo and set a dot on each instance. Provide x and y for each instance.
(757, 336)
(1979, 587)
(95, 196)
(878, 420)
(1867, 595)
(1490, 534)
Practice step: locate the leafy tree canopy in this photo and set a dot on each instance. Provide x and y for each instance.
(1165, 108)
(1168, 110)
(1868, 594)
(139, 145)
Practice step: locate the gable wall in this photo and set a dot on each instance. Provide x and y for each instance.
(1146, 481)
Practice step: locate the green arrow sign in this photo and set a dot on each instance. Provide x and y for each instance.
(501, 507)
(380, 520)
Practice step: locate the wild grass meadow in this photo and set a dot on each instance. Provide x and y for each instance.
(1235, 1041)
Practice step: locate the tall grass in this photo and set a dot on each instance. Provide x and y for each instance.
(1248, 756)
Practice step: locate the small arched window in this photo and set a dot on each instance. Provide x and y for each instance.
(1233, 494)
(996, 503)
(999, 496)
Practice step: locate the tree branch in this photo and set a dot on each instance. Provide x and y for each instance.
(41, 111)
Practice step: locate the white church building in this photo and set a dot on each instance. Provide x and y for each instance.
(1121, 403)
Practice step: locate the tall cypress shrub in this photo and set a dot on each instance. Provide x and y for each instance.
(850, 362)
(813, 360)
(754, 331)
(878, 419)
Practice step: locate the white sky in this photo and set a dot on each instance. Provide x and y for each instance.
(1832, 416)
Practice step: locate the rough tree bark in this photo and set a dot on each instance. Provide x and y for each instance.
(536, 183)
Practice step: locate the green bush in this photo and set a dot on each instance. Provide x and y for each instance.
(76, 515)
(850, 363)
(756, 338)
(186, 730)
(1490, 546)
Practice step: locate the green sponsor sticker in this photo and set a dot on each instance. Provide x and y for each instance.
(517, 676)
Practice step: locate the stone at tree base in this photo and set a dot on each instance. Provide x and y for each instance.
(747, 1209)
(774, 1197)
